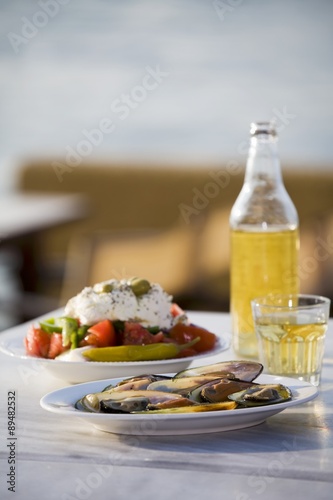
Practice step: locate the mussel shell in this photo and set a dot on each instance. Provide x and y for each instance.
(172, 403)
(125, 406)
(182, 385)
(218, 390)
(241, 370)
(135, 383)
(196, 408)
(130, 405)
(125, 401)
(262, 394)
(88, 403)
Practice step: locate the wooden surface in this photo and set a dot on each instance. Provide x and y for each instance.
(64, 458)
(26, 214)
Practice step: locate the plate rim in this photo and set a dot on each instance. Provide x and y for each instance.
(69, 409)
(12, 336)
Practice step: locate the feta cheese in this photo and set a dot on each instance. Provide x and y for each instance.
(97, 303)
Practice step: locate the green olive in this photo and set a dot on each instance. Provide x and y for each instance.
(139, 286)
(107, 288)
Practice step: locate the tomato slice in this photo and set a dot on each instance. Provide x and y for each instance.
(37, 342)
(101, 334)
(176, 310)
(56, 346)
(185, 333)
(136, 334)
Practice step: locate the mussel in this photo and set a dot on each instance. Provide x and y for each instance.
(135, 383)
(181, 385)
(218, 390)
(262, 394)
(128, 401)
(240, 370)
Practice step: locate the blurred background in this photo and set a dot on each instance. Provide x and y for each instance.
(130, 121)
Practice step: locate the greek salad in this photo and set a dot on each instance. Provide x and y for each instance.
(119, 320)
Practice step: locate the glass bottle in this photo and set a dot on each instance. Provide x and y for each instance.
(264, 237)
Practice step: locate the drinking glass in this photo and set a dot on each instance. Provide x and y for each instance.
(290, 331)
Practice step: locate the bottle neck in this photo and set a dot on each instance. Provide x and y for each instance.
(263, 164)
(263, 202)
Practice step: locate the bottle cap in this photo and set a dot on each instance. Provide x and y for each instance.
(267, 128)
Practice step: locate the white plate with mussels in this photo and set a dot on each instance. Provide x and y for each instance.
(68, 403)
(73, 372)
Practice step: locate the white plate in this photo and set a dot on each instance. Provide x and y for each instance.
(11, 343)
(63, 400)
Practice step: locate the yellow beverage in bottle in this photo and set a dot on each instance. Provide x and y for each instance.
(262, 263)
(291, 349)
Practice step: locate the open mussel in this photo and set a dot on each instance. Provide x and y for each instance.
(241, 370)
(135, 383)
(129, 401)
(262, 394)
(182, 385)
(218, 390)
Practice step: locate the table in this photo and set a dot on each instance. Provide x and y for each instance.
(25, 214)
(62, 458)
(23, 220)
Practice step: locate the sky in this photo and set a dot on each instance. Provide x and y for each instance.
(171, 80)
